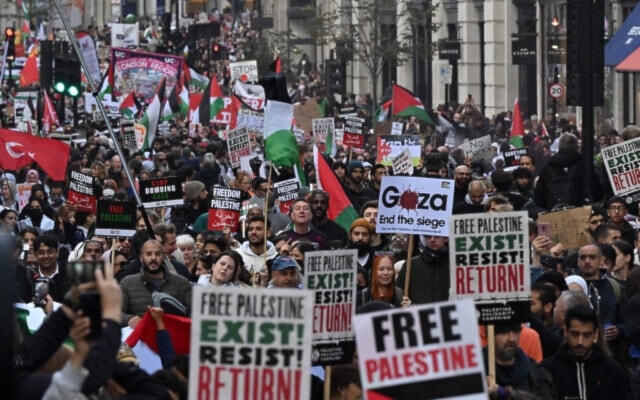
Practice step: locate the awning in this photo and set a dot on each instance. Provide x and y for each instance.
(624, 41)
(631, 63)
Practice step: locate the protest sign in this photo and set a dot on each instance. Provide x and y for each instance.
(415, 205)
(568, 226)
(396, 128)
(252, 120)
(224, 211)
(161, 192)
(489, 258)
(382, 128)
(252, 96)
(512, 158)
(353, 132)
(246, 165)
(305, 113)
(339, 136)
(429, 351)
(390, 146)
(249, 343)
(332, 277)
(622, 162)
(81, 193)
(239, 145)
(244, 71)
(124, 35)
(116, 218)
(348, 110)
(322, 127)
(287, 192)
(24, 192)
(128, 134)
(402, 164)
(478, 149)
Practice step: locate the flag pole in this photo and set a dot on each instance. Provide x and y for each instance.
(103, 112)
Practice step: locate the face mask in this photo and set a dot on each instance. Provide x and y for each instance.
(35, 213)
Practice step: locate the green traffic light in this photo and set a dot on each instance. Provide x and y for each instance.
(59, 87)
(73, 91)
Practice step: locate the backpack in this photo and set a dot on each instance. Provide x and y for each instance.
(560, 187)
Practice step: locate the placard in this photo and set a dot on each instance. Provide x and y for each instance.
(382, 128)
(239, 145)
(489, 258)
(396, 128)
(390, 146)
(569, 226)
(332, 277)
(24, 193)
(402, 164)
(415, 205)
(478, 149)
(244, 71)
(622, 162)
(304, 113)
(249, 343)
(224, 211)
(353, 132)
(81, 193)
(161, 192)
(252, 120)
(428, 351)
(287, 192)
(128, 134)
(321, 129)
(512, 157)
(116, 218)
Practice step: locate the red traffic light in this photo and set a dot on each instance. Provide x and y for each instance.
(9, 33)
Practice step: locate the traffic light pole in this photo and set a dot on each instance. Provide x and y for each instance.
(103, 112)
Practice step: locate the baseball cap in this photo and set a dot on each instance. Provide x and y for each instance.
(281, 263)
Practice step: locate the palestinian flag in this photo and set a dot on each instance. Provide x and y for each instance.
(340, 210)
(128, 107)
(212, 102)
(106, 87)
(280, 146)
(405, 104)
(382, 113)
(196, 79)
(276, 65)
(517, 128)
(152, 115)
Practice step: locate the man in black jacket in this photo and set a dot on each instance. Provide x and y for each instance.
(580, 369)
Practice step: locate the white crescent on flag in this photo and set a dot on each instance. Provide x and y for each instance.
(9, 146)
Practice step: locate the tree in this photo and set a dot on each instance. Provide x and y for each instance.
(368, 32)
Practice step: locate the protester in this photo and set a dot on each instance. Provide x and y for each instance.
(383, 287)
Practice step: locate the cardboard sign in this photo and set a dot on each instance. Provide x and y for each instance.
(161, 192)
(478, 149)
(287, 192)
(429, 351)
(569, 226)
(239, 145)
(332, 277)
(224, 211)
(396, 128)
(390, 146)
(249, 343)
(415, 205)
(81, 192)
(622, 161)
(489, 258)
(244, 71)
(402, 164)
(382, 128)
(512, 157)
(353, 134)
(305, 113)
(116, 218)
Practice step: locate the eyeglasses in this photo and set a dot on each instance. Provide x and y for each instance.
(617, 208)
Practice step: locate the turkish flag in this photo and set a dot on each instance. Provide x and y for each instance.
(179, 330)
(20, 149)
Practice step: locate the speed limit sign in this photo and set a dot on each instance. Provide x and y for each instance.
(556, 90)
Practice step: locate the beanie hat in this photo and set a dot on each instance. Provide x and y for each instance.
(192, 190)
(353, 165)
(360, 222)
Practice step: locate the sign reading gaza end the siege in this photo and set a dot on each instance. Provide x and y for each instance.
(224, 211)
(622, 162)
(428, 351)
(249, 343)
(116, 218)
(81, 192)
(412, 205)
(161, 192)
(332, 277)
(489, 258)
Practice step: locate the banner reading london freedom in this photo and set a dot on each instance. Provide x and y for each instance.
(332, 277)
(141, 72)
(489, 258)
(622, 161)
(249, 343)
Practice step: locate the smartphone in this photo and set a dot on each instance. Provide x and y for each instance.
(82, 271)
(25, 251)
(40, 292)
(544, 229)
(90, 306)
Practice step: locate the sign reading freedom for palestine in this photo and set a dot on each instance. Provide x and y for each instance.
(161, 192)
(116, 218)
(428, 351)
(81, 192)
(224, 211)
(249, 343)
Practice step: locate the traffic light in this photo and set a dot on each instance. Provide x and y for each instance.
(66, 75)
(332, 76)
(10, 37)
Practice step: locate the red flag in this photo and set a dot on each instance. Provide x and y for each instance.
(18, 150)
(25, 27)
(179, 329)
(276, 65)
(50, 116)
(517, 127)
(545, 132)
(236, 105)
(29, 74)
